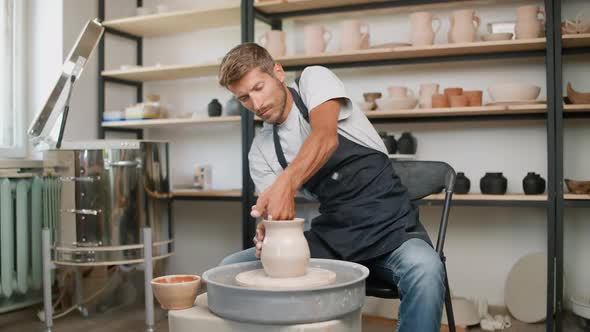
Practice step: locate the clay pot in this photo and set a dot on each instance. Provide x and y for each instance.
(440, 101)
(464, 25)
(370, 98)
(578, 187)
(214, 108)
(421, 27)
(407, 144)
(285, 252)
(176, 292)
(462, 184)
(316, 39)
(533, 184)
(453, 92)
(274, 42)
(493, 184)
(427, 90)
(389, 141)
(577, 97)
(354, 35)
(232, 107)
(474, 97)
(458, 101)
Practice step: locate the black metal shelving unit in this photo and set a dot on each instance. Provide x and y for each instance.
(553, 118)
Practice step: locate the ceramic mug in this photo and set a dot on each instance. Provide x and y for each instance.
(453, 92)
(440, 101)
(528, 23)
(400, 92)
(274, 42)
(354, 35)
(316, 39)
(530, 12)
(464, 25)
(458, 101)
(421, 26)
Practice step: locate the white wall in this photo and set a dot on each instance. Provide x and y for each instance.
(483, 243)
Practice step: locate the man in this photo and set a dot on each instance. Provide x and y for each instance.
(313, 140)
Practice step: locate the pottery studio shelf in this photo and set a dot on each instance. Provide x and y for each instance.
(163, 73)
(577, 200)
(508, 200)
(577, 108)
(576, 40)
(176, 21)
(184, 194)
(163, 123)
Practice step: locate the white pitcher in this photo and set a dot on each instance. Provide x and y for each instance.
(464, 25)
(421, 26)
(274, 42)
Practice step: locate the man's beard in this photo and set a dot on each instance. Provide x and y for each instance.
(282, 102)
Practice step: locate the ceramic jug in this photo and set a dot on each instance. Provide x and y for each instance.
(316, 39)
(427, 90)
(285, 252)
(464, 25)
(528, 23)
(422, 32)
(354, 35)
(274, 42)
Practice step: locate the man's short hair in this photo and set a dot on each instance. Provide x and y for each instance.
(241, 60)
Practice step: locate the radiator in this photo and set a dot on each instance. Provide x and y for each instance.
(26, 205)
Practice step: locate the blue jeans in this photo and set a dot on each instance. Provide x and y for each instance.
(417, 271)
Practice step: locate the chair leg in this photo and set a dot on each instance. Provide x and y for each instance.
(448, 302)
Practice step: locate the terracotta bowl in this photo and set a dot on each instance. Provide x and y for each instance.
(578, 187)
(176, 292)
(394, 104)
(514, 92)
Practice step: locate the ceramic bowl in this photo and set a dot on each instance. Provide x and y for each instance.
(176, 292)
(394, 104)
(578, 187)
(513, 92)
(497, 36)
(581, 306)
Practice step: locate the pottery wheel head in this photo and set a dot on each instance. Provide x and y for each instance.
(315, 277)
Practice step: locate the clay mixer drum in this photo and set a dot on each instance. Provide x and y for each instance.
(327, 290)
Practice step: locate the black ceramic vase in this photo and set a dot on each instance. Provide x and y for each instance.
(214, 108)
(389, 141)
(232, 107)
(533, 184)
(407, 144)
(493, 184)
(462, 184)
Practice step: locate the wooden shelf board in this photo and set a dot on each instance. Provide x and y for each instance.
(577, 108)
(458, 111)
(482, 197)
(187, 192)
(407, 52)
(576, 40)
(177, 21)
(284, 6)
(577, 197)
(159, 123)
(163, 73)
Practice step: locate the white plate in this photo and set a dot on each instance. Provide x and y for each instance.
(515, 102)
(524, 292)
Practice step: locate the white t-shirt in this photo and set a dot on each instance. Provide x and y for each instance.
(316, 86)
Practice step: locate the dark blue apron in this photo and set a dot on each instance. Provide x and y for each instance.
(365, 209)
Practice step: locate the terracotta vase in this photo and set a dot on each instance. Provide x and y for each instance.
(285, 252)
(316, 39)
(440, 101)
(274, 42)
(453, 92)
(458, 101)
(427, 90)
(475, 97)
(354, 35)
(422, 32)
(464, 25)
(528, 23)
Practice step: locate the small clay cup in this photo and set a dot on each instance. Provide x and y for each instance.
(474, 97)
(453, 92)
(439, 101)
(458, 101)
(176, 292)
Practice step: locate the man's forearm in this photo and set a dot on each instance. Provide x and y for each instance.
(315, 152)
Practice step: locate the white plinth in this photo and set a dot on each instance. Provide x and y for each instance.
(199, 318)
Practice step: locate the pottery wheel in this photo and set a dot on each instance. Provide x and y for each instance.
(314, 277)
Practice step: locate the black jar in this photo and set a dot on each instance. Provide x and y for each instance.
(462, 184)
(493, 184)
(214, 108)
(407, 144)
(533, 184)
(389, 141)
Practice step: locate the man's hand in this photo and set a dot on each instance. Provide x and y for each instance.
(277, 201)
(260, 232)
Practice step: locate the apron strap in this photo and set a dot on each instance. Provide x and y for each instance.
(275, 130)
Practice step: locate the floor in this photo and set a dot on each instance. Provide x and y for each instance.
(132, 319)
